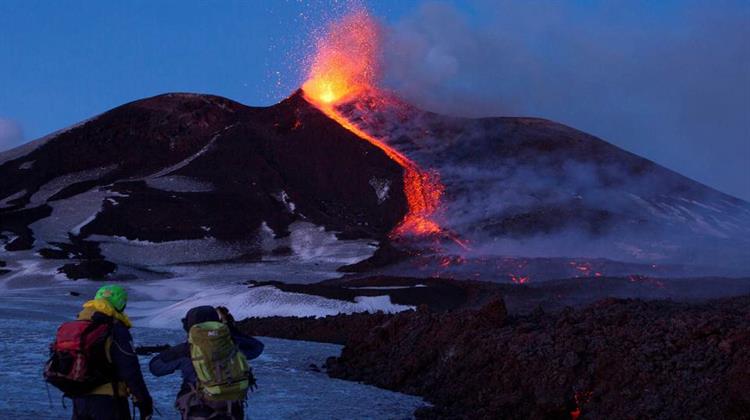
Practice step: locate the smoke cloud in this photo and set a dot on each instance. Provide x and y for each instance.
(11, 134)
(667, 80)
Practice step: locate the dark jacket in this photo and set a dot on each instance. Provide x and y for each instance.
(178, 357)
(122, 355)
(125, 359)
(99, 404)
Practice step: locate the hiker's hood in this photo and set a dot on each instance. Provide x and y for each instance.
(103, 306)
(199, 314)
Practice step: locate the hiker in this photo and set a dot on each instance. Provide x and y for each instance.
(93, 361)
(211, 343)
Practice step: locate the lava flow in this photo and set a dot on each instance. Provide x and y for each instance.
(344, 66)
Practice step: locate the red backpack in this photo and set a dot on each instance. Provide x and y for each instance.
(78, 358)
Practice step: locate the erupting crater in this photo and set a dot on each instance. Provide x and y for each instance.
(344, 66)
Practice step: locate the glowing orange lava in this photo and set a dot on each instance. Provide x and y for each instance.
(345, 65)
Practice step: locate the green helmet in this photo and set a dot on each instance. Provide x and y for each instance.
(115, 294)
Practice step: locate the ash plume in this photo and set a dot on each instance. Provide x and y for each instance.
(669, 81)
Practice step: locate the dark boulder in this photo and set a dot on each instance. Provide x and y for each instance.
(88, 269)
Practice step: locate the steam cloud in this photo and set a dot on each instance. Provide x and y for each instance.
(11, 134)
(670, 81)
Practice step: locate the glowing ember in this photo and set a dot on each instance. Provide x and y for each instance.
(344, 66)
(580, 399)
(519, 279)
(345, 61)
(586, 269)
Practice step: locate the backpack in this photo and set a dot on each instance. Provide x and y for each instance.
(222, 370)
(78, 360)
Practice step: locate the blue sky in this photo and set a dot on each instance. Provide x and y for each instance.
(61, 62)
(668, 80)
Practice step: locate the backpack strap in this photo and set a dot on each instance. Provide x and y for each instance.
(192, 399)
(115, 382)
(86, 331)
(187, 400)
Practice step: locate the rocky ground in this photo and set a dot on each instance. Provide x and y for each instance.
(330, 329)
(613, 359)
(474, 357)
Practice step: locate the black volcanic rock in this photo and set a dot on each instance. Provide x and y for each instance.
(18, 221)
(330, 329)
(89, 269)
(613, 359)
(385, 255)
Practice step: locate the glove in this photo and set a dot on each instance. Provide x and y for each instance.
(226, 317)
(173, 353)
(145, 408)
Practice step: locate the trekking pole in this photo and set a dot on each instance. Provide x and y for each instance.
(157, 411)
(49, 397)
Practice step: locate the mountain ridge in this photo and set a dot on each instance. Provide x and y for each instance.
(240, 183)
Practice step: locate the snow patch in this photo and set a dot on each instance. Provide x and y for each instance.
(705, 206)
(140, 253)
(68, 215)
(310, 242)
(5, 202)
(176, 183)
(382, 188)
(187, 161)
(9, 237)
(266, 301)
(29, 272)
(56, 185)
(283, 197)
(77, 230)
(267, 237)
(26, 165)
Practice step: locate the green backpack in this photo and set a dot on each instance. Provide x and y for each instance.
(222, 370)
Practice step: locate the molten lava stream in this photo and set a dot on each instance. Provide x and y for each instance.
(345, 64)
(421, 188)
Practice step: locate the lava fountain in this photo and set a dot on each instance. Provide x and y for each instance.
(345, 66)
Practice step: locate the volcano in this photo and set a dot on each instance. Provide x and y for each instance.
(198, 179)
